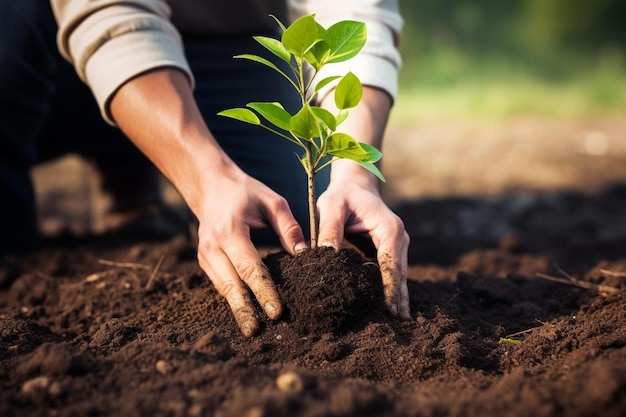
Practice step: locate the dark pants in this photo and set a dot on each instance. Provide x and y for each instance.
(45, 112)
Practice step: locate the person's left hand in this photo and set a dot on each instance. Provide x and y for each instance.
(350, 207)
(352, 203)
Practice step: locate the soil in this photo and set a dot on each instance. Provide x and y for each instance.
(113, 325)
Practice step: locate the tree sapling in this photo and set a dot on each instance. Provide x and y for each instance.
(307, 46)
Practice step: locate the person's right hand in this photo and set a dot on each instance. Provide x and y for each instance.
(158, 113)
(237, 204)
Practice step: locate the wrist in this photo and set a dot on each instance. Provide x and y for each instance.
(204, 165)
(345, 171)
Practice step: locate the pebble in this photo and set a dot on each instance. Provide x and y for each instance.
(195, 411)
(255, 412)
(290, 382)
(40, 383)
(55, 389)
(163, 367)
(42, 386)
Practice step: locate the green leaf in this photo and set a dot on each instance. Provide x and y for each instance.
(373, 153)
(304, 161)
(326, 117)
(325, 81)
(243, 115)
(282, 26)
(347, 38)
(373, 169)
(302, 35)
(342, 116)
(274, 46)
(266, 62)
(348, 92)
(345, 146)
(304, 124)
(318, 54)
(260, 60)
(273, 113)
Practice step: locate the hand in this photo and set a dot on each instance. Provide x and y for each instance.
(353, 208)
(239, 203)
(158, 113)
(352, 203)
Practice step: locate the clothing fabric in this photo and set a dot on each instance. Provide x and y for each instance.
(112, 41)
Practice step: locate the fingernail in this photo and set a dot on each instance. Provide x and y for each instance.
(300, 247)
(270, 309)
(328, 245)
(247, 329)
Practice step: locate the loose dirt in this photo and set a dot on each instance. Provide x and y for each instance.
(113, 326)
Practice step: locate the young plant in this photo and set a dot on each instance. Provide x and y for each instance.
(307, 46)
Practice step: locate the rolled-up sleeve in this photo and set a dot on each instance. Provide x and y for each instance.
(379, 62)
(111, 42)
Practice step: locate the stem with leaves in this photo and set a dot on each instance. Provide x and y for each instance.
(305, 43)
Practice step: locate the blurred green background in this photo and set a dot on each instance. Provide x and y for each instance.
(494, 59)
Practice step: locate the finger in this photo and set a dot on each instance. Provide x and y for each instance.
(393, 260)
(227, 283)
(332, 223)
(250, 268)
(285, 225)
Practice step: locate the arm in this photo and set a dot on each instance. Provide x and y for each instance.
(132, 58)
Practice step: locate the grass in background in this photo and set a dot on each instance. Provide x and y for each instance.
(449, 86)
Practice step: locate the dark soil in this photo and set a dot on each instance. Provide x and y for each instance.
(328, 292)
(89, 327)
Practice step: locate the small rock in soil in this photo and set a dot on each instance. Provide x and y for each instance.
(290, 381)
(163, 367)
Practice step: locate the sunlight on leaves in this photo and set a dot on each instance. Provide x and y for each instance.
(348, 92)
(273, 113)
(243, 115)
(347, 38)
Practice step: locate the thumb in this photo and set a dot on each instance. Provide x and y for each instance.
(286, 227)
(332, 221)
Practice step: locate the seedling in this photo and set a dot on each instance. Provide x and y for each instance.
(306, 45)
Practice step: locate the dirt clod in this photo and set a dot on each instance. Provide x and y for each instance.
(327, 291)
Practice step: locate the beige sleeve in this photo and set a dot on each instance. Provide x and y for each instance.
(110, 42)
(379, 62)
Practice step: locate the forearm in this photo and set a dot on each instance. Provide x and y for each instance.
(158, 113)
(366, 123)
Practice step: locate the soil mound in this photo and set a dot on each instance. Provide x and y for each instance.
(326, 291)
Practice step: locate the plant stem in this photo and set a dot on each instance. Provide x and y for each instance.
(310, 174)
